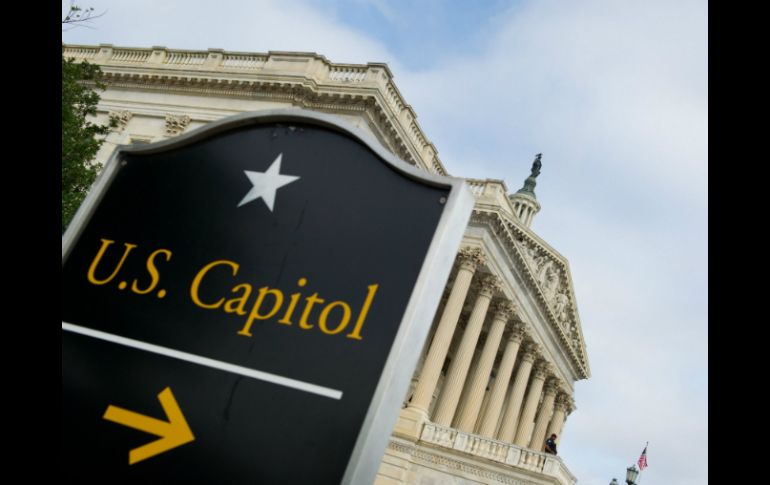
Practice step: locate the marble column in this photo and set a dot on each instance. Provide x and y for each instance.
(544, 416)
(479, 380)
(458, 369)
(491, 415)
(511, 415)
(467, 386)
(469, 259)
(560, 433)
(526, 420)
(562, 408)
(485, 400)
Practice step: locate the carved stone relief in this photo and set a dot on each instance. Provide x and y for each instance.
(120, 118)
(175, 124)
(553, 285)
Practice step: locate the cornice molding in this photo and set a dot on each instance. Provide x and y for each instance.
(317, 84)
(294, 92)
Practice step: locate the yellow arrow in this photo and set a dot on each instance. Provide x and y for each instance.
(174, 432)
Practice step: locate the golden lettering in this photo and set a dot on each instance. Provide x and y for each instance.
(311, 300)
(356, 333)
(230, 305)
(292, 303)
(255, 315)
(199, 277)
(334, 318)
(92, 269)
(325, 313)
(154, 275)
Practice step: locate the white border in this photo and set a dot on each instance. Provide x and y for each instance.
(205, 361)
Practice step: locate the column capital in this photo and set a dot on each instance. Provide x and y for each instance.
(564, 402)
(516, 333)
(471, 258)
(541, 369)
(570, 406)
(552, 385)
(489, 285)
(530, 352)
(504, 310)
(561, 400)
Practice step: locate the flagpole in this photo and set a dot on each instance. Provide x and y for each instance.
(639, 478)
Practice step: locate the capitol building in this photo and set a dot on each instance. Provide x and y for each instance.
(497, 372)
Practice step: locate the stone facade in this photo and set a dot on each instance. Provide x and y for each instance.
(506, 346)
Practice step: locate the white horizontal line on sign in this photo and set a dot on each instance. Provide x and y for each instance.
(197, 359)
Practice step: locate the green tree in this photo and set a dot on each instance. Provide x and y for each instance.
(78, 135)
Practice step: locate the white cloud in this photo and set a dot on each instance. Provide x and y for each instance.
(254, 26)
(614, 94)
(604, 86)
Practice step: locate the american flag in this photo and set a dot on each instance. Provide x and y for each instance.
(643, 459)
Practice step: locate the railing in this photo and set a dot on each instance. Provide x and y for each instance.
(499, 451)
(438, 167)
(133, 56)
(80, 52)
(562, 473)
(243, 61)
(417, 134)
(185, 58)
(347, 74)
(342, 73)
(477, 186)
(439, 435)
(394, 99)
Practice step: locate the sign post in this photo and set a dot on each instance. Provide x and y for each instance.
(246, 303)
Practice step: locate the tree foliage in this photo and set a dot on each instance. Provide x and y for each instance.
(78, 135)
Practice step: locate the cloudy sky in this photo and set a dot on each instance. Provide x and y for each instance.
(614, 94)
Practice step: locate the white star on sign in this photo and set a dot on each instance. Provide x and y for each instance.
(266, 184)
